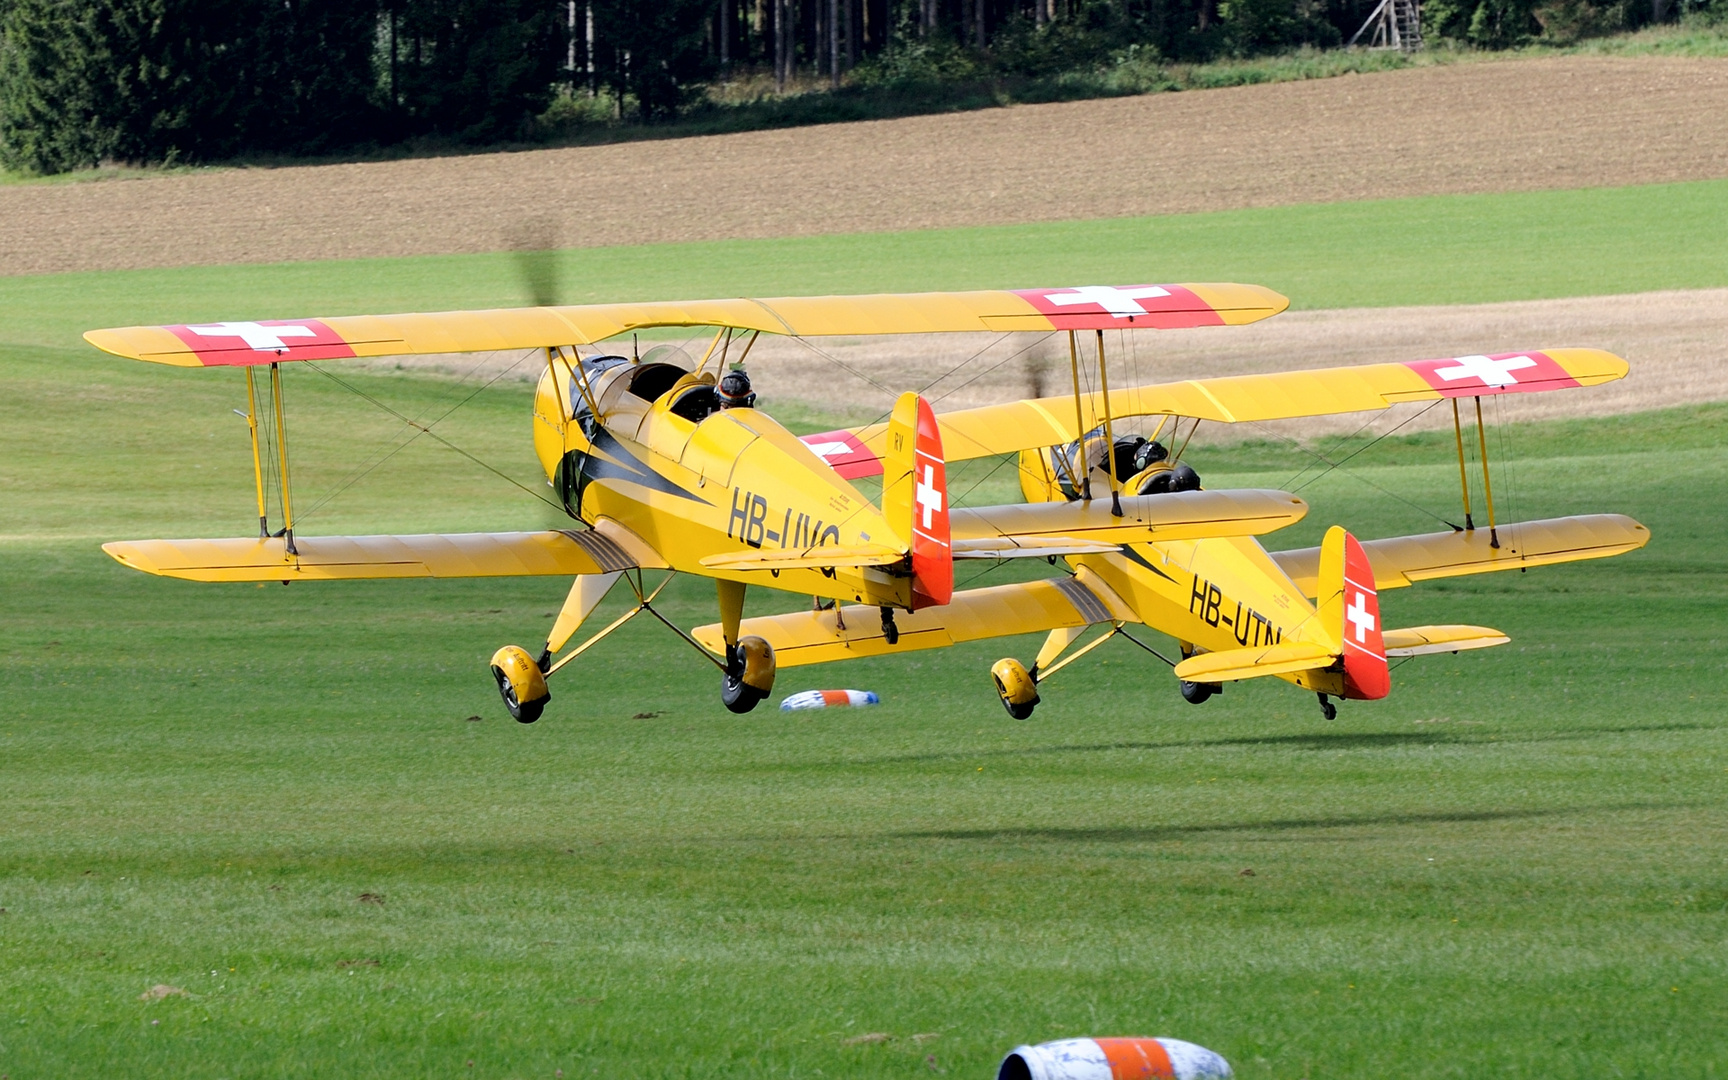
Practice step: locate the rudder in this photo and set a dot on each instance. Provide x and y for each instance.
(1350, 614)
(915, 498)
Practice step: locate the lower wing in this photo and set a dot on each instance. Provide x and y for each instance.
(1180, 515)
(448, 555)
(1405, 560)
(847, 633)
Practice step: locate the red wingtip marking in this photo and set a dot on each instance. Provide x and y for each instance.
(1501, 373)
(243, 344)
(1121, 307)
(844, 453)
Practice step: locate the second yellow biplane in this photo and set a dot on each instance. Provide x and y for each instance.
(664, 467)
(1309, 616)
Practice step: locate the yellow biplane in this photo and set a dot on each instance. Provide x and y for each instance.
(664, 467)
(1237, 611)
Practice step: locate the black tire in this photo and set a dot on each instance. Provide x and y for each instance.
(890, 630)
(1021, 711)
(521, 712)
(737, 695)
(1196, 693)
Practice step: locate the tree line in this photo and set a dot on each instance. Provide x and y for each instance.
(151, 81)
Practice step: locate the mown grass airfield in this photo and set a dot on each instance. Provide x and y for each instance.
(255, 830)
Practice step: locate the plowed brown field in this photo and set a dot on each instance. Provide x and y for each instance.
(1491, 126)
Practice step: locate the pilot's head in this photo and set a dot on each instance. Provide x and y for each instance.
(734, 390)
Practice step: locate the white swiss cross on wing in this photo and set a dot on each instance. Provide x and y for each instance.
(1118, 302)
(826, 450)
(928, 497)
(257, 337)
(1491, 372)
(1360, 617)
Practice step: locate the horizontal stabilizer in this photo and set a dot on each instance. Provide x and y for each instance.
(1029, 547)
(1405, 560)
(847, 633)
(329, 558)
(1423, 640)
(807, 558)
(1180, 515)
(1232, 665)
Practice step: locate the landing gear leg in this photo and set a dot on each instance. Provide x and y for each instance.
(521, 676)
(1327, 709)
(889, 630)
(749, 672)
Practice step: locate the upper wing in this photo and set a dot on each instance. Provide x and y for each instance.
(561, 553)
(1023, 425)
(814, 637)
(1091, 307)
(1404, 560)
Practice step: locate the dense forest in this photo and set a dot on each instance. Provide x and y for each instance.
(154, 81)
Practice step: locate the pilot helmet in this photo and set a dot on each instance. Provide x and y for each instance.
(1149, 454)
(735, 392)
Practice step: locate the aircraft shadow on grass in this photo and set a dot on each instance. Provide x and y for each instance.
(1308, 741)
(1156, 833)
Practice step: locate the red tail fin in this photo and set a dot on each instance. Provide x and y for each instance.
(1351, 610)
(915, 498)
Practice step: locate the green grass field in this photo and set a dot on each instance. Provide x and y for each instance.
(1511, 867)
(1434, 250)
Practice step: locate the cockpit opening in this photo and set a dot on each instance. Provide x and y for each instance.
(651, 381)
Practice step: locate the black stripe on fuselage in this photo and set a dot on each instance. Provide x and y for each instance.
(620, 464)
(1135, 556)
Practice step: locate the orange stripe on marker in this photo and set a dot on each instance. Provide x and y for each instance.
(835, 697)
(1136, 1059)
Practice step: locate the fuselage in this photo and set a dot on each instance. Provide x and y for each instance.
(646, 447)
(1211, 595)
(1215, 595)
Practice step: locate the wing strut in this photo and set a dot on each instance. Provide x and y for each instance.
(257, 462)
(1079, 420)
(1487, 488)
(282, 453)
(1463, 477)
(1109, 435)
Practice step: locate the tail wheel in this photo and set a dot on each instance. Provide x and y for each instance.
(520, 683)
(1016, 687)
(749, 674)
(1327, 709)
(1196, 693)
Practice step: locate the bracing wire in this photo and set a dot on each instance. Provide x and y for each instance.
(426, 429)
(1367, 446)
(1015, 355)
(1330, 465)
(365, 468)
(841, 364)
